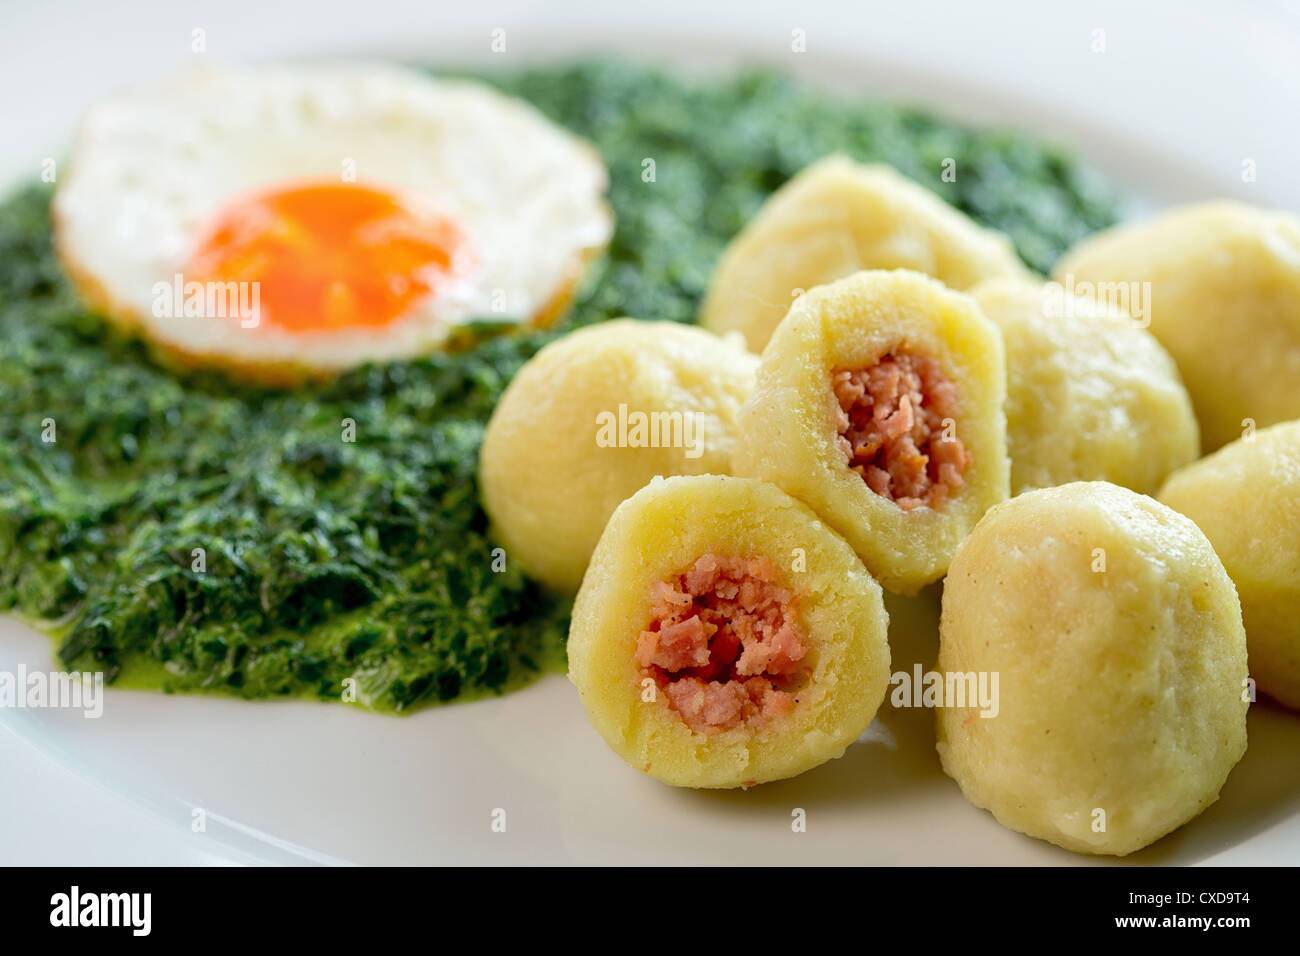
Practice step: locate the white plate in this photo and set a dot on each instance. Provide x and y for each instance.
(1171, 110)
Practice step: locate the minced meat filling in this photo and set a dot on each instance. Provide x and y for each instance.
(891, 429)
(723, 643)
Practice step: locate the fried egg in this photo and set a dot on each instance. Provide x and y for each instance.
(290, 222)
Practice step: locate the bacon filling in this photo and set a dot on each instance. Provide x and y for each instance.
(723, 644)
(897, 429)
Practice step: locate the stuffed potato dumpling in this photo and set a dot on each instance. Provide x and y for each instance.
(724, 637)
(1224, 299)
(1090, 394)
(833, 219)
(593, 417)
(1117, 640)
(1246, 498)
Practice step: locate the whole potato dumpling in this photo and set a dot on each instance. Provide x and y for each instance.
(833, 219)
(724, 637)
(1224, 300)
(1090, 394)
(594, 416)
(878, 402)
(1116, 638)
(1246, 498)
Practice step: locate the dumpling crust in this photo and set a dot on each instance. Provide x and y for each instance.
(661, 531)
(788, 426)
(833, 219)
(1121, 660)
(1246, 498)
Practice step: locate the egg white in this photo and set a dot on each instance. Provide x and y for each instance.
(151, 170)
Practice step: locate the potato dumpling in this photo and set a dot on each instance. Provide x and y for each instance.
(725, 637)
(879, 403)
(1224, 300)
(590, 419)
(836, 218)
(1121, 660)
(1246, 498)
(1090, 394)
(593, 417)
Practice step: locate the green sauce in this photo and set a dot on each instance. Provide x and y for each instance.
(368, 561)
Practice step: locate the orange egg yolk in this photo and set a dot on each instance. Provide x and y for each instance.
(330, 256)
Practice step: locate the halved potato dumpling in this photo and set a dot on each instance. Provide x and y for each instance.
(833, 219)
(1246, 498)
(724, 637)
(1116, 638)
(878, 402)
